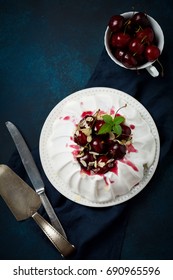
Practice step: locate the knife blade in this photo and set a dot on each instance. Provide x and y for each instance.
(34, 174)
(24, 203)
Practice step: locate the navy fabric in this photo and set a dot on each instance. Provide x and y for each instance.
(97, 233)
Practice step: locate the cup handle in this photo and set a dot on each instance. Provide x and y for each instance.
(152, 71)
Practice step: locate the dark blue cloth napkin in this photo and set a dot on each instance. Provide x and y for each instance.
(98, 233)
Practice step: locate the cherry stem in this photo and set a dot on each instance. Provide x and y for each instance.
(161, 66)
(139, 28)
(120, 109)
(145, 37)
(127, 22)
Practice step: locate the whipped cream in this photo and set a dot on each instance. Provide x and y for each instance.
(129, 171)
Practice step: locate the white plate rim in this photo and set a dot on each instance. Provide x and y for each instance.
(46, 131)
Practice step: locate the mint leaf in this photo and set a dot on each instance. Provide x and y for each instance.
(105, 128)
(112, 124)
(117, 129)
(119, 119)
(107, 119)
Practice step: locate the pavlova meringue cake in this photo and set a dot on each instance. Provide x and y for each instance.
(93, 170)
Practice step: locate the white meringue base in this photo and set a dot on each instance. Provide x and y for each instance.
(57, 149)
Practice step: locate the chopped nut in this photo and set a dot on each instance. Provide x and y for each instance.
(80, 155)
(111, 136)
(91, 163)
(94, 153)
(101, 164)
(89, 138)
(128, 142)
(89, 119)
(87, 131)
(83, 163)
(110, 160)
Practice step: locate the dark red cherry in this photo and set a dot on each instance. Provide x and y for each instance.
(117, 151)
(140, 58)
(86, 160)
(152, 52)
(129, 60)
(126, 132)
(103, 165)
(121, 151)
(119, 53)
(80, 138)
(130, 28)
(116, 23)
(119, 40)
(145, 35)
(136, 47)
(140, 19)
(98, 144)
(87, 121)
(98, 124)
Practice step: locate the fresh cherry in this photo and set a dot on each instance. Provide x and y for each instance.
(120, 40)
(119, 53)
(117, 151)
(98, 124)
(136, 47)
(126, 132)
(140, 19)
(80, 138)
(98, 144)
(129, 60)
(103, 165)
(87, 121)
(130, 28)
(85, 160)
(116, 23)
(140, 58)
(152, 52)
(146, 35)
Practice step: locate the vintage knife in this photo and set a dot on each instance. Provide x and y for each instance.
(24, 202)
(34, 174)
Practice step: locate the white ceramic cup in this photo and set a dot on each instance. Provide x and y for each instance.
(160, 43)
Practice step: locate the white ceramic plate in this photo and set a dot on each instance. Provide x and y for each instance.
(57, 182)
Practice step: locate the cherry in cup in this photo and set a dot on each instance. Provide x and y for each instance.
(140, 19)
(152, 52)
(128, 44)
(116, 23)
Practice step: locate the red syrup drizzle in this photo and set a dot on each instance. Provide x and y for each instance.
(132, 126)
(131, 149)
(90, 173)
(112, 111)
(106, 180)
(86, 113)
(66, 118)
(129, 163)
(75, 148)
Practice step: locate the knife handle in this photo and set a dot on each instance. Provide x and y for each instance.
(61, 244)
(51, 213)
